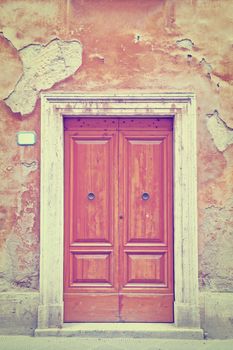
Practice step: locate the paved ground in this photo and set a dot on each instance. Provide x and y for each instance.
(74, 343)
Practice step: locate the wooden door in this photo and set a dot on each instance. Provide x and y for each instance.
(118, 257)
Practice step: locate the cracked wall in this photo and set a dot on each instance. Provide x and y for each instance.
(115, 46)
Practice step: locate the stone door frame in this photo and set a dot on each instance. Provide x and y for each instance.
(182, 108)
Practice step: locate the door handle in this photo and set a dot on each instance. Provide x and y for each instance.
(91, 196)
(145, 196)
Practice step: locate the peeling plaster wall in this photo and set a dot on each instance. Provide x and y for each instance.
(43, 66)
(116, 46)
(222, 134)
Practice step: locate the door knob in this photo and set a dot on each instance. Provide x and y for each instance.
(91, 196)
(145, 196)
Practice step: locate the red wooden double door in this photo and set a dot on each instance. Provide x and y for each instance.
(118, 258)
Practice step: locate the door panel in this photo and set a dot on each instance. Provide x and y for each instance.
(91, 253)
(89, 307)
(145, 217)
(145, 197)
(118, 264)
(146, 269)
(92, 175)
(88, 268)
(146, 308)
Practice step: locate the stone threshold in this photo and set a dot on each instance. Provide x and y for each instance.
(121, 330)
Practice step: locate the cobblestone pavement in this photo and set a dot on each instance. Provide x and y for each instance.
(75, 343)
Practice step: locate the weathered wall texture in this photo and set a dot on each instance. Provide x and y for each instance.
(115, 46)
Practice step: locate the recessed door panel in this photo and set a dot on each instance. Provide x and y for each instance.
(146, 308)
(91, 168)
(89, 268)
(148, 269)
(145, 201)
(118, 255)
(91, 254)
(144, 190)
(91, 307)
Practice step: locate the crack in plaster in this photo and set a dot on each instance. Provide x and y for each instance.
(43, 66)
(221, 133)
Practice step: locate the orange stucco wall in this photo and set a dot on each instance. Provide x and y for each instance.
(148, 46)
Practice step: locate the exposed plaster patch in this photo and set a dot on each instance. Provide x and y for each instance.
(43, 66)
(29, 166)
(11, 66)
(221, 133)
(207, 68)
(137, 38)
(185, 44)
(96, 56)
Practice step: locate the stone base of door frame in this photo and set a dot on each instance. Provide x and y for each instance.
(19, 311)
(51, 316)
(122, 330)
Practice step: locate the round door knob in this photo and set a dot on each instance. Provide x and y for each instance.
(91, 196)
(145, 196)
